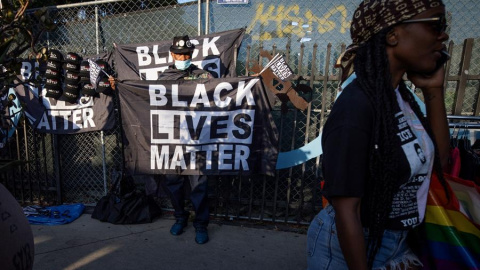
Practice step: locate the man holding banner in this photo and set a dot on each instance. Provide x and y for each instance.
(173, 184)
(184, 126)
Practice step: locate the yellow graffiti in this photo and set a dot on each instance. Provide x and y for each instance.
(281, 15)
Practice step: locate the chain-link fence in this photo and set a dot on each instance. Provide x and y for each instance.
(78, 166)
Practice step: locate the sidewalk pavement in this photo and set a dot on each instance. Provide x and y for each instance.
(87, 243)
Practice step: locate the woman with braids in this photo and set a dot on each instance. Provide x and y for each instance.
(376, 177)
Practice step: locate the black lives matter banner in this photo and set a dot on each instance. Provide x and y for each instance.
(213, 52)
(61, 117)
(216, 127)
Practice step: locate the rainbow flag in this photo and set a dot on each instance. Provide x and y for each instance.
(452, 227)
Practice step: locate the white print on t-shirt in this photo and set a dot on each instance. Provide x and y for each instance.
(405, 135)
(408, 206)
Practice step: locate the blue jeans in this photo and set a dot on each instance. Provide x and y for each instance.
(324, 252)
(174, 186)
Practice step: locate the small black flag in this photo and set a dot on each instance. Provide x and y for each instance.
(95, 70)
(281, 69)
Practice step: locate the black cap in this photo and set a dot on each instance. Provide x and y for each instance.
(182, 44)
(55, 55)
(52, 73)
(72, 77)
(53, 82)
(72, 66)
(88, 90)
(53, 92)
(85, 68)
(55, 65)
(104, 86)
(73, 58)
(103, 65)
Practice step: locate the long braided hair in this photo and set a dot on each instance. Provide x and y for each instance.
(373, 74)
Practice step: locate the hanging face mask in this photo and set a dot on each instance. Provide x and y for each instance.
(182, 65)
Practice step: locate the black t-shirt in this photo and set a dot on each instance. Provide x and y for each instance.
(346, 144)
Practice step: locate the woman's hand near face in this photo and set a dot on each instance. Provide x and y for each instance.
(428, 83)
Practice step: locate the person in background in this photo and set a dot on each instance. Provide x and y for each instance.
(174, 184)
(375, 182)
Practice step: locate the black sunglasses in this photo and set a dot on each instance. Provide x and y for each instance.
(439, 23)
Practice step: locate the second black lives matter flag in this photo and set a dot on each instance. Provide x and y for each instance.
(214, 52)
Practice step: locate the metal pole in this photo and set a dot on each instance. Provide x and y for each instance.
(17, 140)
(104, 163)
(26, 144)
(98, 2)
(207, 16)
(199, 17)
(56, 151)
(96, 28)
